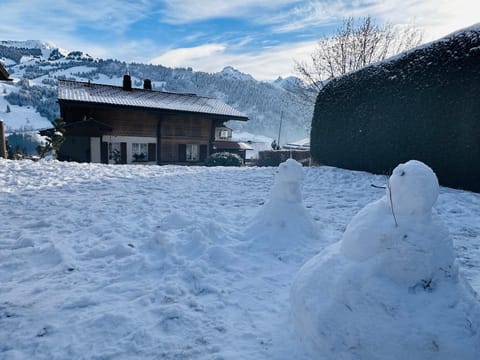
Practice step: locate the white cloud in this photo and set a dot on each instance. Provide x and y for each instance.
(185, 57)
(63, 22)
(436, 17)
(178, 12)
(26, 19)
(267, 64)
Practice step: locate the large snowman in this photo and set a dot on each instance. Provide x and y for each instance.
(390, 289)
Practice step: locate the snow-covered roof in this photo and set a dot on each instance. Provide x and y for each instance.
(303, 144)
(231, 145)
(115, 95)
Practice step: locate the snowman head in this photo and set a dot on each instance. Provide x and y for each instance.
(413, 188)
(288, 182)
(290, 171)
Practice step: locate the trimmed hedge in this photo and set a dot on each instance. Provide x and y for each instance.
(424, 105)
(224, 159)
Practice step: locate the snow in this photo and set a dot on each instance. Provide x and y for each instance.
(19, 117)
(151, 262)
(256, 142)
(390, 288)
(283, 225)
(233, 73)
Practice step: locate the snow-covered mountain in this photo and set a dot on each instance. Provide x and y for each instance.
(36, 66)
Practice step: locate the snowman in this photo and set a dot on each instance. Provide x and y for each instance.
(390, 288)
(283, 222)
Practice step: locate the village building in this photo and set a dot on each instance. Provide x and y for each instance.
(124, 125)
(4, 75)
(223, 143)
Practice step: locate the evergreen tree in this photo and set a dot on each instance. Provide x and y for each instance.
(54, 138)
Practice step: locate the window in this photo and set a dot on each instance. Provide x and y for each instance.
(140, 152)
(192, 152)
(224, 134)
(114, 153)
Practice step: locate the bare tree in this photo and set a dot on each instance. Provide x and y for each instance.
(354, 45)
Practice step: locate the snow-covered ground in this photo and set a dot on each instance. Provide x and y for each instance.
(17, 117)
(149, 262)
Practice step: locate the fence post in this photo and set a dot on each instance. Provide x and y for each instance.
(3, 145)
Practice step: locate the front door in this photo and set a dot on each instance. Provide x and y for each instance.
(117, 153)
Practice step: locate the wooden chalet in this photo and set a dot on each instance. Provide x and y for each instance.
(124, 125)
(4, 75)
(223, 143)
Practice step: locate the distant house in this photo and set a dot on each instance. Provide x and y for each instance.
(4, 75)
(303, 144)
(223, 142)
(123, 125)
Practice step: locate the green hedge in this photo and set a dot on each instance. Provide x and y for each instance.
(424, 105)
(224, 159)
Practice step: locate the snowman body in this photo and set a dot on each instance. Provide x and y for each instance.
(390, 288)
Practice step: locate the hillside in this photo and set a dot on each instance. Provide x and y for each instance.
(420, 105)
(37, 66)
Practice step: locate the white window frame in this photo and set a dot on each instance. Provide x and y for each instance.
(192, 152)
(139, 149)
(129, 140)
(224, 134)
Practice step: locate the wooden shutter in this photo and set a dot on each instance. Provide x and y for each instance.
(152, 152)
(104, 152)
(123, 153)
(203, 152)
(182, 152)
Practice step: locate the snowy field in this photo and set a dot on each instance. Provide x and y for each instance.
(148, 262)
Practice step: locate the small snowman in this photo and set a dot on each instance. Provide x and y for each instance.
(390, 289)
(283, 221)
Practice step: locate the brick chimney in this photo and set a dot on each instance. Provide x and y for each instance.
(127, 82)
(147, 84)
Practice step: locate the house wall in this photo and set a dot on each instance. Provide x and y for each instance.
(169, 133)
(128, 147)
(178, 131)
(75, 148)
(95, 150)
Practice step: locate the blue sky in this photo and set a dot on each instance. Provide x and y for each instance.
(259, 37)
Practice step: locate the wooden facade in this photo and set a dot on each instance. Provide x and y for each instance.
(124, 134)
(4, 75)
(3, 145)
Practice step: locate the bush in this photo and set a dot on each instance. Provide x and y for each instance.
(224, 159)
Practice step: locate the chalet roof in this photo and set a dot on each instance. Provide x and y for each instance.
(231, 145)
(115, 95)
(4, 75)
